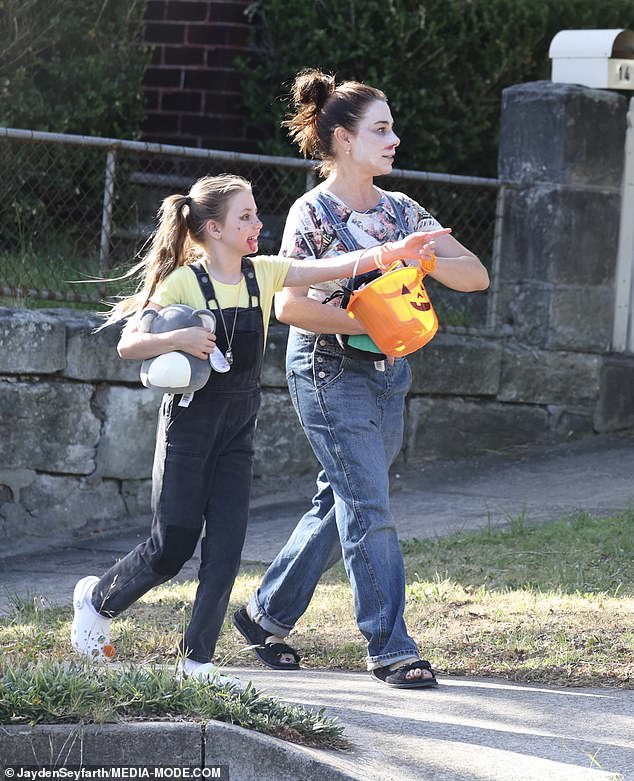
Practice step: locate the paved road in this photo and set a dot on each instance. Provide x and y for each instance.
(468, 729)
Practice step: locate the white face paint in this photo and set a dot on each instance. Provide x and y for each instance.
(374, 143)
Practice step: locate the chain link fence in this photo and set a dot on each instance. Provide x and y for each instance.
(76, 210)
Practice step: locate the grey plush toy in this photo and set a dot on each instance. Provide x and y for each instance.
(179, 372)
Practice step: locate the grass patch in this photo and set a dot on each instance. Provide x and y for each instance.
(71, 693)
(63, 273)
(550, 603)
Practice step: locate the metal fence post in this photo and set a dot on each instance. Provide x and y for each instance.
(623, 333)
(106, 214)
(492, 298)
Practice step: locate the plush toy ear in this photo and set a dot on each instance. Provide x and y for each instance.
(146, 319)
(207, 319)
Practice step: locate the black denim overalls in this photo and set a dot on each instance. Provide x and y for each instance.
(201, 477)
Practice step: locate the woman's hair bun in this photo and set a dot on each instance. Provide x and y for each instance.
(312, 88)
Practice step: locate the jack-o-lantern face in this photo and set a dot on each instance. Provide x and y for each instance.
(423, 305)
(396, 311)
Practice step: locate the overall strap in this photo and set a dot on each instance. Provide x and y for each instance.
(398, 214)
(207, 287)
(343, 232)
(205, 283)
(350, 243)
(340, 228)
(253, 288)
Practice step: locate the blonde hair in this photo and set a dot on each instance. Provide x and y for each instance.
(319, 106)
(179, 237)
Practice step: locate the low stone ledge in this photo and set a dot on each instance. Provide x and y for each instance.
(457, 365)
(534, 376)
(438, 428)
(57, 506)
(615, 410)
(78, 431)
(128, 434)
(93, 357)
(31, 342)
(247, 754)
(48, 426)
(281, 445)
(126, 743)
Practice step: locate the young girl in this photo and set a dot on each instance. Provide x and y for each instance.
(354, 424)
(204, 448)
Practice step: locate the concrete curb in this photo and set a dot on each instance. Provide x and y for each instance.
(244, 754)
(269, 759)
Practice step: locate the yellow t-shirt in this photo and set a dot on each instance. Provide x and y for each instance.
(181, 287)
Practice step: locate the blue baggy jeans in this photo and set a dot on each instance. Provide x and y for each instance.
(353, 416)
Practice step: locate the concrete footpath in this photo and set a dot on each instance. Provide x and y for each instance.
(468, 728)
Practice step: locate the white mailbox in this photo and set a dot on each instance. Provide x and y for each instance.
(594, 58)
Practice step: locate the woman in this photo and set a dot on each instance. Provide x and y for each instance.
(350, 406)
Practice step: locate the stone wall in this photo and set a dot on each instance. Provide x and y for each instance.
(77, 427)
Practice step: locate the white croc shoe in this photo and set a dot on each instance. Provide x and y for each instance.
(90, 632)
(188, 668)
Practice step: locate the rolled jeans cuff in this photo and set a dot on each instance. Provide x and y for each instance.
(374, 662)
(258, 615)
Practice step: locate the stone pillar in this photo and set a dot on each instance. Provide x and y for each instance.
(563, 145)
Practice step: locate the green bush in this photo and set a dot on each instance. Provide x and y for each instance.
(442, 63)
(72, 67)
(65, 67)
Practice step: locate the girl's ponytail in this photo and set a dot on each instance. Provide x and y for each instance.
(170, 245)
(179, 238)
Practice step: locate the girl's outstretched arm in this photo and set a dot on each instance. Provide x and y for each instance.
(309, 270)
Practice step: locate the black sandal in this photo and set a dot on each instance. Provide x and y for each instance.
(269, 654)
(399, 680)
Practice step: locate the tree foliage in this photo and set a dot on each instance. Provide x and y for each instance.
(72, 67)
(442, 63)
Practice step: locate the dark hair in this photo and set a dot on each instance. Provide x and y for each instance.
(320, 106)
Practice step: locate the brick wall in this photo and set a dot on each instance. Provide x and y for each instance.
(192, 88)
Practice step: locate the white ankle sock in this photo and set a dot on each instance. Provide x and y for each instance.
(189, 665)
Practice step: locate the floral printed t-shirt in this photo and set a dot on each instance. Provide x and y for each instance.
(309, 233)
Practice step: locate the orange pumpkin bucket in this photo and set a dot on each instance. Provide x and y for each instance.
(396, 310)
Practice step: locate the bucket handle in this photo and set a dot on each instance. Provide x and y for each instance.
(394, 266)
(383, 271)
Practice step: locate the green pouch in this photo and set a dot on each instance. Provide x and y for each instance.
(363, 342)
